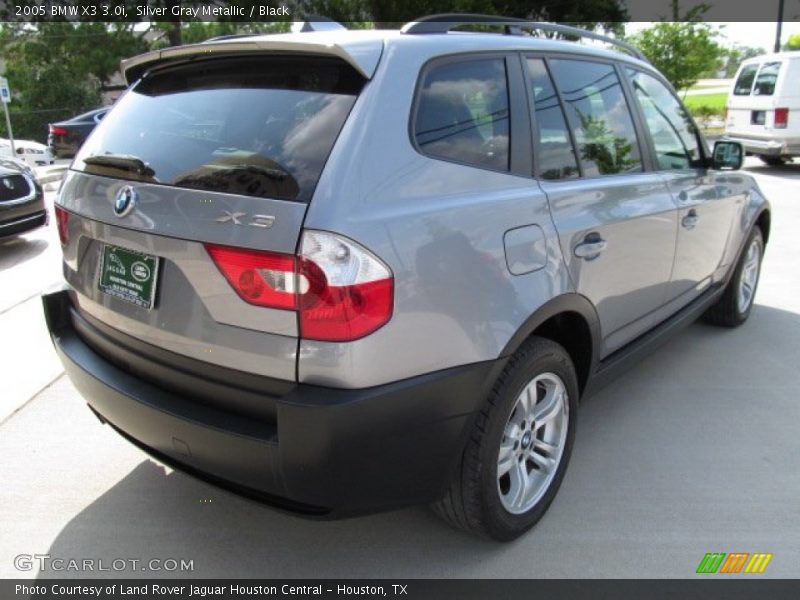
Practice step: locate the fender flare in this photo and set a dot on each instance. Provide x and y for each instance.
(565, 303)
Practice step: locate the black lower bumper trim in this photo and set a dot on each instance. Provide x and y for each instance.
(329, 451)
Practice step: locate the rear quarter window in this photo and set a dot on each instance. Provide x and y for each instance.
(256, 126)
(462, 113)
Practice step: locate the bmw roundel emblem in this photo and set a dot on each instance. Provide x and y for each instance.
(125, 200)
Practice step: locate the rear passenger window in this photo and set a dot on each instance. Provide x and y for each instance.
(744, 83)
(765, 81)
(555, 152)
(462, 113)
(674, 136)
(599, 116)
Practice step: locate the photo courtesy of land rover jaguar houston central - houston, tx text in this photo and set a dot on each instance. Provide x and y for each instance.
(345, 271)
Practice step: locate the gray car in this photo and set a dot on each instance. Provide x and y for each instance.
(348, 271)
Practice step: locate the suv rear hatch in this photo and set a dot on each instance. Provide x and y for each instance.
(200, 159)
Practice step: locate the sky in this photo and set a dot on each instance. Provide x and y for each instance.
(757, 35)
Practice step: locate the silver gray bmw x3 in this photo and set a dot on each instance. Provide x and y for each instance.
(348, 271)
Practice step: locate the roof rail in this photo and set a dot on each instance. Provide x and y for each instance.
(444, 23)
(230, 36)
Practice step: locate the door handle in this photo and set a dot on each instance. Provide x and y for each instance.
(690, 220)
(591, 247)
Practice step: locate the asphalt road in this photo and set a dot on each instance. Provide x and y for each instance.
(695, 450)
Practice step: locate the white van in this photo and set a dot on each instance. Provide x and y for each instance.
(763, 111)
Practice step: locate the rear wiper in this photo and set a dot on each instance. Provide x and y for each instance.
(125, 162)
(277, 174)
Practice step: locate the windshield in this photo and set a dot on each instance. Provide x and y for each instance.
(253, 126)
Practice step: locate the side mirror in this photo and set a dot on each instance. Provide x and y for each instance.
(728, 156)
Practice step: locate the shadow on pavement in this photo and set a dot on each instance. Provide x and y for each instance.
(685, 449)
(16, 250)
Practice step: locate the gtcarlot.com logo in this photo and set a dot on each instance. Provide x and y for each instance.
(46, 563)
(735, 562)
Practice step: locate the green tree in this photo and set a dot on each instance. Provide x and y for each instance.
(57, 69)
(682, 51)
(793, 43)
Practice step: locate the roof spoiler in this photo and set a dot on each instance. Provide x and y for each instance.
(362, 54)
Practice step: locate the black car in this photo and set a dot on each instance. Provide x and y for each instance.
(65, 137)
(21, 203)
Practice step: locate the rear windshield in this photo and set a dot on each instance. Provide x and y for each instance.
(766, 78)
(253, 126)
(757, 79)
(744, 83)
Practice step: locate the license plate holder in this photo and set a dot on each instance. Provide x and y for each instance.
(128, 275)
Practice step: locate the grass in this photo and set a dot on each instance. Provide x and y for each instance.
(712, 101)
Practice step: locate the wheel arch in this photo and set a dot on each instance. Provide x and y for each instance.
(570, 320)
(764, 221)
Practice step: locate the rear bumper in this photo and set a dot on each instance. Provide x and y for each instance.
(766, 147)
(326, 451)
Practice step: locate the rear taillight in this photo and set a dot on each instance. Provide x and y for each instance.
(58, 130)
(781, 118)
(62, 221)
(350, 292)
(340, 290)
(261, 278)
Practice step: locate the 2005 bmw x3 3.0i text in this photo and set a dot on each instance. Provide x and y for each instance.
(348, 271)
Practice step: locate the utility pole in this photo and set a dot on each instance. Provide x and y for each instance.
(780, 26)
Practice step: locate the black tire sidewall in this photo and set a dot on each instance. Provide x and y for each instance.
(501, 524)
(741, 316)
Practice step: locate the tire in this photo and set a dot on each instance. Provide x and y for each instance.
(479, 499)
(773, 161)
(734, 306)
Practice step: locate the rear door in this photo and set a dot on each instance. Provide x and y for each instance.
(616, 222)
(200, 164)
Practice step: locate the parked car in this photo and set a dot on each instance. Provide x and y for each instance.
(763, 110)
(33, 153)
(21, 202)
(350, 271)
(16, 164)
(65, 137)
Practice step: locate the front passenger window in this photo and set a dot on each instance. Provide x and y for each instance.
(674, 135)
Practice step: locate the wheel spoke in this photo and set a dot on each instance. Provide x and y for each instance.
(512, 432)
(506, 459)
(549, 407)
(520, 482)
(544, 463)
(542, 446)
(527, 400)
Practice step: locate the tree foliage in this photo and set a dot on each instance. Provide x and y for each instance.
(793, 42)
(681, 51)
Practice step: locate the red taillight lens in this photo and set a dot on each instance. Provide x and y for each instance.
(62, 221)
(341, 291)
(58, 130)
(261, 278)
(781, 118)
(348, 291)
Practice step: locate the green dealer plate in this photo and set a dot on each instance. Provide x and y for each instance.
(129, 275)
